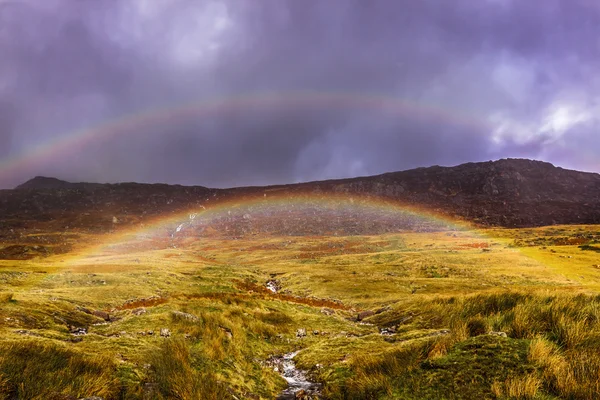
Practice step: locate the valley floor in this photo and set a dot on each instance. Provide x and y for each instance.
(488, 314)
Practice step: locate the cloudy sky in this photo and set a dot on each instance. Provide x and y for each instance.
(354, 87)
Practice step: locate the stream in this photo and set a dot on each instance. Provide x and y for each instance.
(299, 386)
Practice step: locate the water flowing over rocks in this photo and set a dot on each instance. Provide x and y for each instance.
(299, 385)
(273, 285)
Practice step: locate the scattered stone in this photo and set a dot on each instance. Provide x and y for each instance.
(141, 333)
(273, 285)
(300, 333)
(138, 311)
(189, 317)
(227, 331)
(364, 314)
(164, 332)
(302, 395)
(150, 333)
(316, 332)
(77, 331)
(76, 339)
(388, 331)
(101, 314)
(92, 398)
(437, 333)
(26, 332)
(327, 311)
(501, 334)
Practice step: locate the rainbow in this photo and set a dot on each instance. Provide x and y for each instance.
(169, 228)
(132, 124)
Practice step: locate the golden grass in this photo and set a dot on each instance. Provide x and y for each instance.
(176, 377)
(5, 297)
(35, 370)
(442, 292)
(517, 388)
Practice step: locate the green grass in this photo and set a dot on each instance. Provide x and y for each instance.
(440, 292)
(40, 370)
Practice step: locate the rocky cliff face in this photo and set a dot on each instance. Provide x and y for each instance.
(510, 193)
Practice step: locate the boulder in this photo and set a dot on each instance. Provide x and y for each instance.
(138, 311)
(228, 332)
(77, 331)
(300, 333)
(165, 332)
(364, 314)
(101, 314)
(186, 316)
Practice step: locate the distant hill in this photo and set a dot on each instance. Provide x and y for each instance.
(508, 193)
(43, 182)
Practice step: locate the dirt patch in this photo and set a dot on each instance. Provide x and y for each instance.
(481, 245)
(147, 302)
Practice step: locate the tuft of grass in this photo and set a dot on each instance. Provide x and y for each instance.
(517, 388)
(37, 371)
(6, 297)
(477, 326)
(557, 374)
(375, 373)
(181, 374)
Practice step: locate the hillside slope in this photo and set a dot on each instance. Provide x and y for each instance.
(509, 193)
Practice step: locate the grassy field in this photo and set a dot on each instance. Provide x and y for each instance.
(488, 314)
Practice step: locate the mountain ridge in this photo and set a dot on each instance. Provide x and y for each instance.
(45, 182)
(506, 193)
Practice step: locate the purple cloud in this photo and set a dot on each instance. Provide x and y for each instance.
(481, 80)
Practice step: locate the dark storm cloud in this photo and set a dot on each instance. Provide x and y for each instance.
(492, 78)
